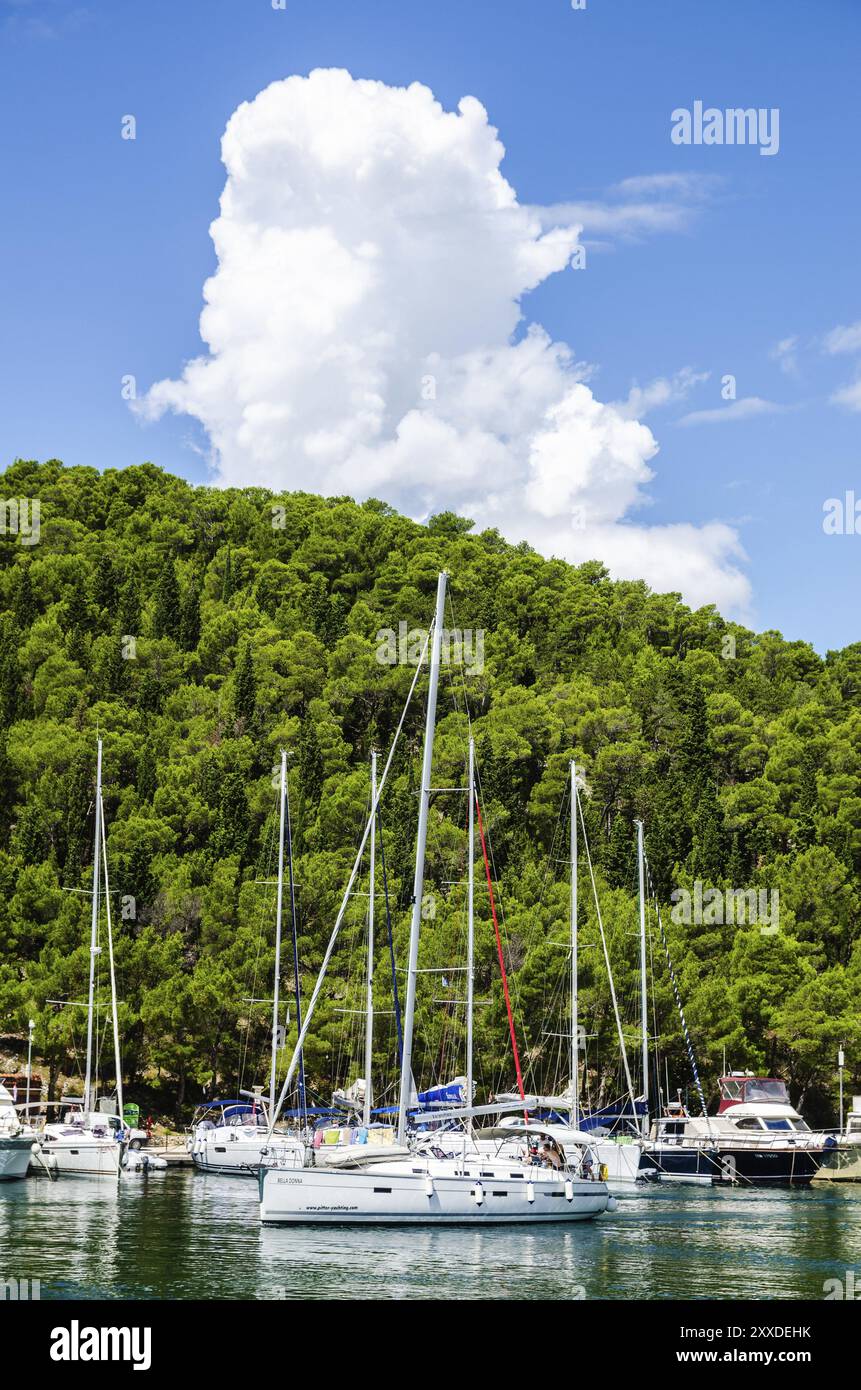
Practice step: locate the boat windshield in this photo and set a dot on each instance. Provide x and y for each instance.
(778, 1124)
(767, 1090)
(247, 1119)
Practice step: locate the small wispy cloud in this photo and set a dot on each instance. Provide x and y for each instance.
(660, 392)
(785, 354)
(843, 338)
(848, 396)
(41, 19)
(744, 409)
(643, 205)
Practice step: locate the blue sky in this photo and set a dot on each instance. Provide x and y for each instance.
(105, 242)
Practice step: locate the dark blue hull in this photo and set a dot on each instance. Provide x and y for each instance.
(745, 1166)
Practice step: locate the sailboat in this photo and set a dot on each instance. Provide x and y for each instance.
(618, 1156)
(89, 1141)
(232, 1136)
(401, 1183)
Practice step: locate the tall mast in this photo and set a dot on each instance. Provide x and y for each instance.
(294, 926)
(278, 914)
(470, 927)
(369, 978)
(575, 1019)
(94, 930)
(421, 844)
(644, 999)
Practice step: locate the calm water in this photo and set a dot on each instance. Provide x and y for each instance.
(185, 1235)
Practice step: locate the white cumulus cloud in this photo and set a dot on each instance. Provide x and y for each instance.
(365, 335)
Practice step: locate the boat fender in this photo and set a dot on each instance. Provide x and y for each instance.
(428, 1185)
(189, 1144)
(603, 1172)
(478, 1194)
(569, 1190)
(612, 1204)
(530, 1191)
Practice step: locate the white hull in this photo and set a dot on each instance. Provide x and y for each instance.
(237, 1160)
(399, 1194)
(15, 1154)
(239, 1153)
(87, 1157)
(622, 1162)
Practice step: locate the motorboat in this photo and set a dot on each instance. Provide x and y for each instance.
(16, 1139)
(756, 1138)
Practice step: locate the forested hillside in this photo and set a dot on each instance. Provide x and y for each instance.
(254, 622)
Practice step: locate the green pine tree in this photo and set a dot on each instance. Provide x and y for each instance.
(166, 614)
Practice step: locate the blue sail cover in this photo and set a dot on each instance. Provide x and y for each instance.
(452, 1094)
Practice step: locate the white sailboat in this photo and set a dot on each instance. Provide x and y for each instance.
(89, 1142)
(618, 1157)
(231, 1137)
(401, 1183)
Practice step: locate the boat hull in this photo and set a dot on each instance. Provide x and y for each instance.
(213, 1152)
(235, 1162)
(746, 1166)
(15, 1155)
(677, 1164)
(99, 1158)
(322, 1196)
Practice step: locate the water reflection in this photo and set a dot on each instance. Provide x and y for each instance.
(184, 1235)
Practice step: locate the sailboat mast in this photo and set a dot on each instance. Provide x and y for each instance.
(575, 1019)
(470, 928)
(278, 918)
(369, 978)
(644, 1000)
(421, 844)
(94, 930)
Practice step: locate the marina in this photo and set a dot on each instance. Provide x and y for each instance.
(186, 1235)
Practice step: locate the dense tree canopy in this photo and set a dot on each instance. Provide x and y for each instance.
(202, 630)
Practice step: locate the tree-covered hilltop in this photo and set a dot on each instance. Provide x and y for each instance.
(201, 630)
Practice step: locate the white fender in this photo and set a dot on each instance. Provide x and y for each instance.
(530, 1191)
(478, 1194)
(428, 1185)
